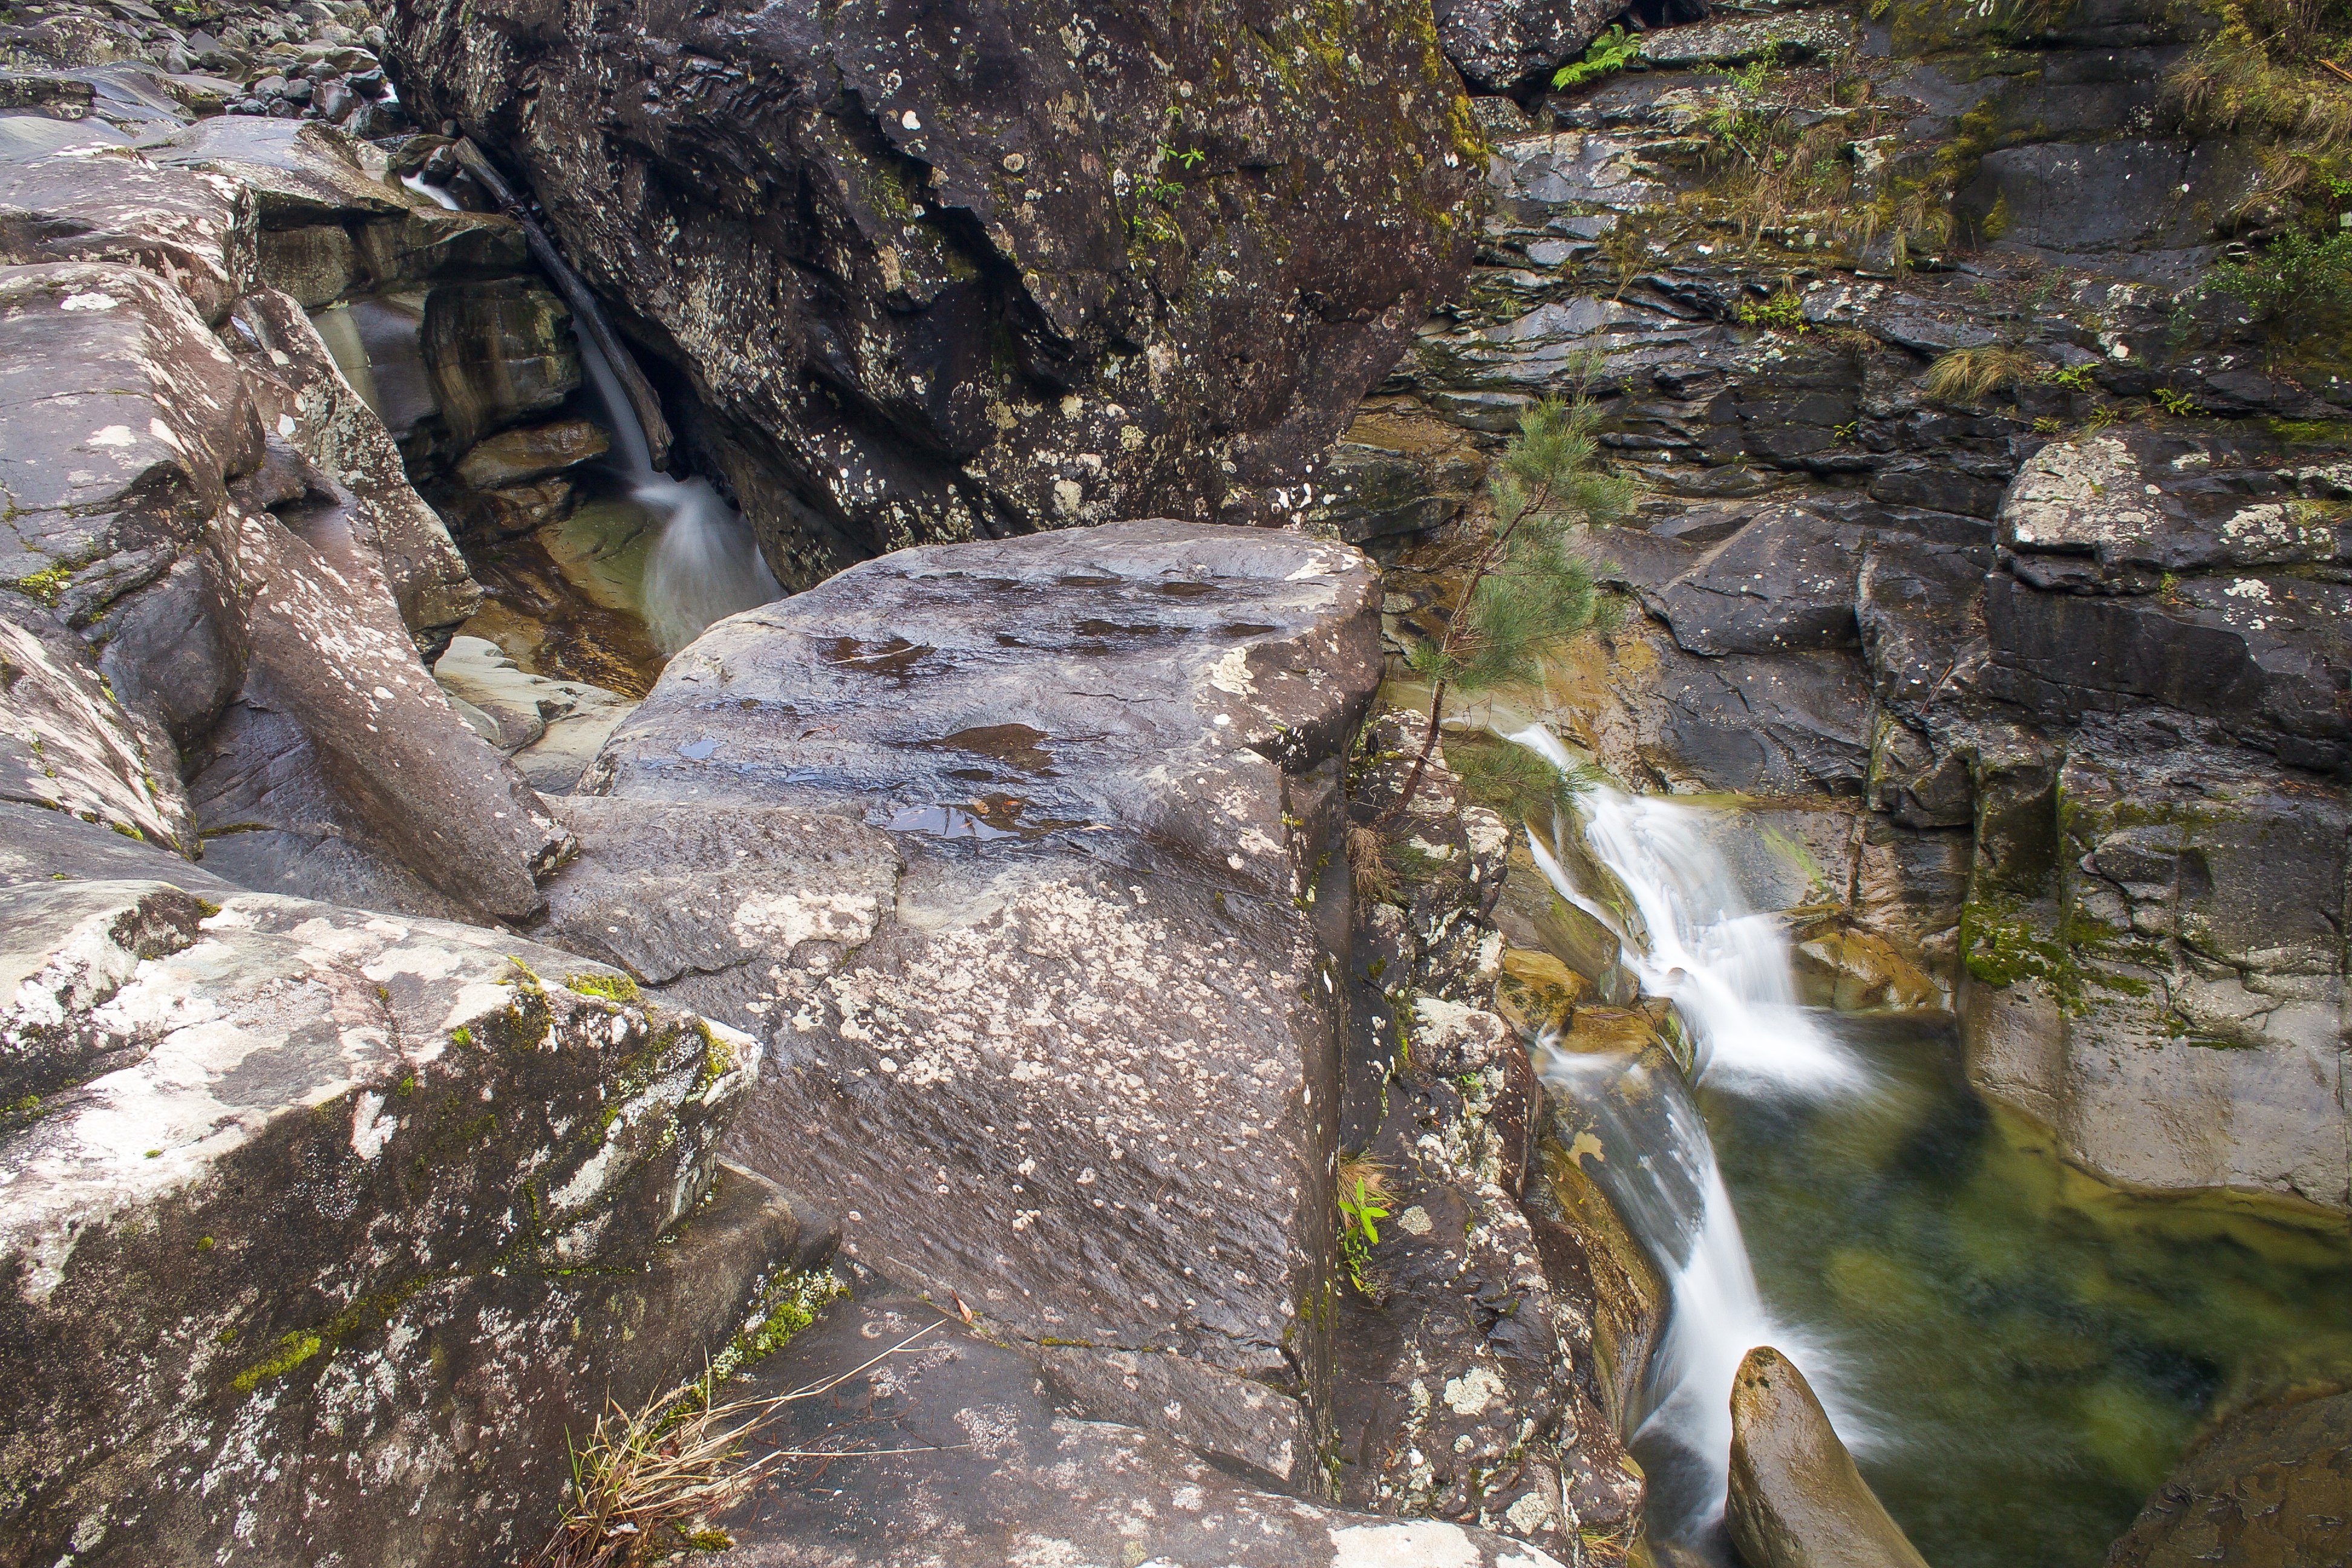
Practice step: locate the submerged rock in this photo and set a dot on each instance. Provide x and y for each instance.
(1051, 1023)
(1797, 1500)
(2272, 1485)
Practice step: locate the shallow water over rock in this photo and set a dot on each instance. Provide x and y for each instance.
(2036, 1349)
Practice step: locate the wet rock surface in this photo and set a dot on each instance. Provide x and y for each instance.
(1797, 1500)
(2268, 1485)
(295, 1192)
(1071, 270)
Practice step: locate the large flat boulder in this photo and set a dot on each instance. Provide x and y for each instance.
(1047, 1006)
(319, 1230)
(1796, 1498)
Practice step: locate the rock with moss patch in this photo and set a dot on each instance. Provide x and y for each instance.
(326, 1227)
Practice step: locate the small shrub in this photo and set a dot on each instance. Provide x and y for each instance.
(1971, 376)
(1612, 51)
(1363, 1203)
(2295, 278)
(1783, 312)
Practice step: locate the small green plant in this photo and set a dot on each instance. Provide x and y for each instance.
(1527, 584)
(1363, 1203)
(2295, 278)
(2177, 403)
(607, 987)
(1971, 376)
(1612, 51)
(2074, 378)
(1156, 189)
(47, 585)
(1783, 312)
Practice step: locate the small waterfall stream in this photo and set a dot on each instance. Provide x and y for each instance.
(706, 563)
(1691, 937)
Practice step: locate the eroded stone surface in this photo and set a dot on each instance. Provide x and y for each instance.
(1078, 268)
(320, 1216)
(991, 1470)
(1088, 1018)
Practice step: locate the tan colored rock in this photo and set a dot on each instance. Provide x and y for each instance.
(1797, 1500)
(533, 452)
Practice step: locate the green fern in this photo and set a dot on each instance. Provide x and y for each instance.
(1612, 51)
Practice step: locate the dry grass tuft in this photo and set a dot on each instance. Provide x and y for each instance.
(1971, 376)
(649, 1483)
(1359, 1171)
(1368, 865)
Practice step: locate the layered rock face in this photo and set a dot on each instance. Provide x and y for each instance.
(2043, 698)
(322, 1229)
(962, 274)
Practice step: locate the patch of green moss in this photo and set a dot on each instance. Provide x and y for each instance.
(610, 987)
(48, 584)
(292, 1352)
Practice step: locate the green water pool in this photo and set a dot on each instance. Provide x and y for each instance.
(2036, 1349)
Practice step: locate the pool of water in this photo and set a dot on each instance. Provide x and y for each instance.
(2027, 1351)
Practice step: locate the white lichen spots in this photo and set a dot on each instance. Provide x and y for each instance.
(1475, 1391)
(1405, 1544)
(1414, 1221)
(88, 301)
(369, 1131)
(1231, 673)
(2250, 588)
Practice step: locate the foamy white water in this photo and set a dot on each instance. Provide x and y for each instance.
(1726, 968)
(705, 565)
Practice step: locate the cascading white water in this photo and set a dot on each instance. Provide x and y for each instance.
(438, 194)
(1727, 969)
(705, 565)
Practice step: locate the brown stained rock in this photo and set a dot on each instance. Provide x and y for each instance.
(499, 352)
(1073, 269)
(535, 452)
(2270, 1488)
(197, 231)
(1797, 1500)
(1073, 1064)
(355, 1220)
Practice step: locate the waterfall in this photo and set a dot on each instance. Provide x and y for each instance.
(1693, 938)
(705, 565)
(435, 194)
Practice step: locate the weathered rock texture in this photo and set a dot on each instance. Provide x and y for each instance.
(981, 1468)
(321, 1228)
(1499, 44)
(195, 488)
(1049, 1016)
(2272, 1484)
(1797, 1500)
(965, 273)
(1957, 643)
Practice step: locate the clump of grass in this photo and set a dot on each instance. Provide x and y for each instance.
(1510, 779)
(1971, 376)
(649, 1482)
(1364, 1201)
(2267, 72)
(1368, 865)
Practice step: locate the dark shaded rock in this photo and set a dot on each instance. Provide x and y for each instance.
(1797, 1500)
(947, 245)
(499, 352)
(346, 1192)
(2144, 204)
(2264, 654)
(2270, 1485)
(977, 1466)
(1109, 760)
(1791, 724)
(1784, 583)
(484, 517)
(1499, 44)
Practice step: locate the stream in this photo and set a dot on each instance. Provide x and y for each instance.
(2016, 1354)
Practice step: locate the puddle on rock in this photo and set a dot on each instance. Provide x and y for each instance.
(552, 623)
